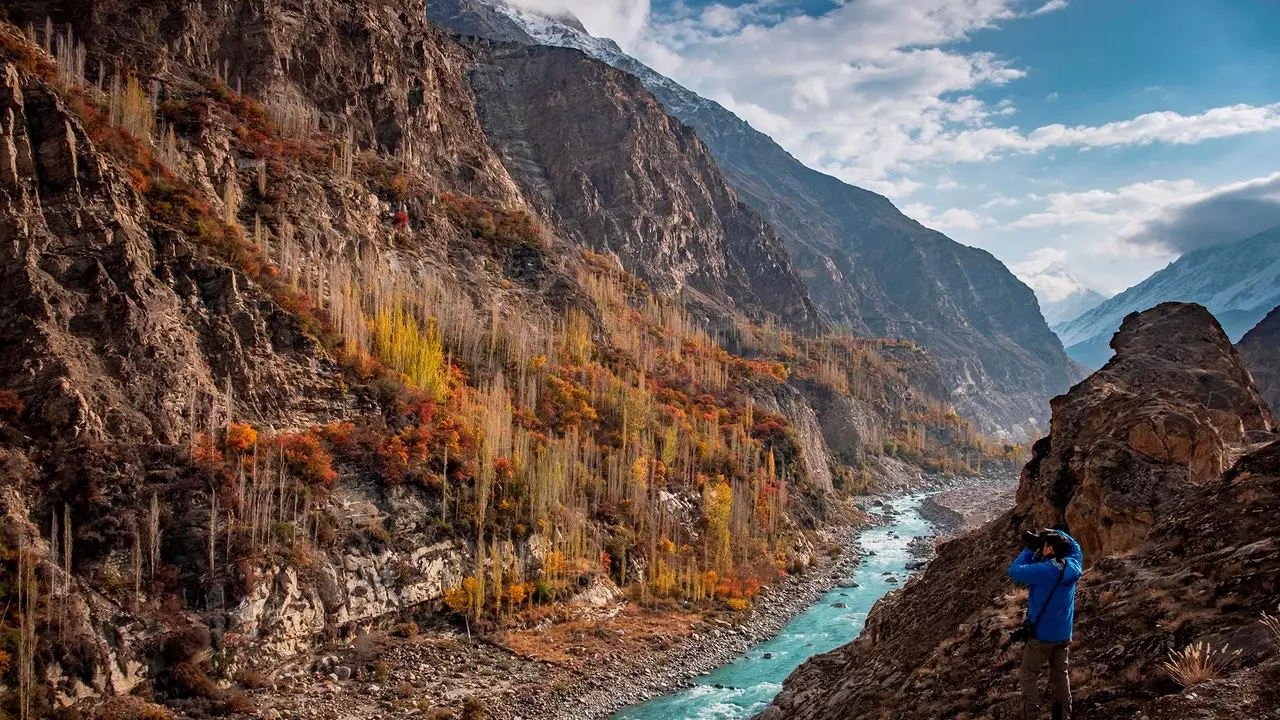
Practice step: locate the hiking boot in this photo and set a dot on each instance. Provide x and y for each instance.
(1058, 713)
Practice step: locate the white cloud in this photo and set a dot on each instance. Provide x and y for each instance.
(1002, 201)
(1038, 260)
(624, 21)
(948, 184)
(1051, 96)
(950, 219)
(1049, 7)
(1108, 207)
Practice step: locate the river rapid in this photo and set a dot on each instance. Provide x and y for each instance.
(746, 685)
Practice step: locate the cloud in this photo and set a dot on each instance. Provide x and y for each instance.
(623, 21)
(875, 91)
(1049, 7)
(1224, 214)
(950, 219)
(1107, 207)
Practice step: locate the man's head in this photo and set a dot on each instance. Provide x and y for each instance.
(1053, 543)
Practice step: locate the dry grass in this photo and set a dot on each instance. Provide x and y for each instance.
(1197, 663)
(1272, 623)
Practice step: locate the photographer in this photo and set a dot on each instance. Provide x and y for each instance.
(1049, 565)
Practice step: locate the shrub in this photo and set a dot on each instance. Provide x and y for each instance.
(252, 679)
(1272, 624)
(1197, 663)
(307, 458)
(240, 438)
(183, 645)
(472, 709)
(10, 405)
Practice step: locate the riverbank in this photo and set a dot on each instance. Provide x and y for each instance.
(583, 662)
(970, 503)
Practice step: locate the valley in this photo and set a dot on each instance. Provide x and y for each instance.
(444, 360)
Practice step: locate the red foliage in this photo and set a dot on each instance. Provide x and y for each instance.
(11, 405)
(240, 438)
(486, 220)
(307, 458)
(400, 220)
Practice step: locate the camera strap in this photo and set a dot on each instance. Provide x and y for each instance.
(1035, 626)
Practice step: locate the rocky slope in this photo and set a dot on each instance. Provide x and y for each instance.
(1238, 281)
(291, 355)
(1260, 350)
(866, 264)
(596, 151)
(1177, 552)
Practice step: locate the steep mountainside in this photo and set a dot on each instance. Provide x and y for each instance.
(866, 264)
(1239, 282)
(1177, 552)
(291, 354)
(594, 150)
(1260, 349)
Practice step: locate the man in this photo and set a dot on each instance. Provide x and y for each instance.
(1049, 566)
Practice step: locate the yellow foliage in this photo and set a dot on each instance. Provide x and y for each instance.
(402, 344)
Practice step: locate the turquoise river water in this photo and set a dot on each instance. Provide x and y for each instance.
(750, 682)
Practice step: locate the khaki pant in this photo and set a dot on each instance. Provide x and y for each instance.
(1033, 658)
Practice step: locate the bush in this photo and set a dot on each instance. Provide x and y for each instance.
(1197, 663)
(252, 679)
(184, 645)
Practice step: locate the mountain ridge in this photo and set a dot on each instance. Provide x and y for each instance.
(1239, 282)
(868, 266)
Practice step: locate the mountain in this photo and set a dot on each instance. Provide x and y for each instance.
(867, 266)
(317, 317)
(596, 153)
(1260, 349)
(1141, 467)
(1239, 282)
(1063, 297)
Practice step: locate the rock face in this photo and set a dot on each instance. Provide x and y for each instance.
(1260, 349)
(596, 151)
(1177, 552)
(866, 264)
(1165, 413)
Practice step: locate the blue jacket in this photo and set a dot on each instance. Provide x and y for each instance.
(1039, 577)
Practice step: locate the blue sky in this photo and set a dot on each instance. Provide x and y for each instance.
(1097, 134)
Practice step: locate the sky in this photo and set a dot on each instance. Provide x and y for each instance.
(1104, 136)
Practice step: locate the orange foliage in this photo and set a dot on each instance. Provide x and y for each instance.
(240, 438)
(307, 458)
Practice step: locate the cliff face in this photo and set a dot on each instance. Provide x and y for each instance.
(866, 265)
(279, 361)
(1133, 465)
(1260, 349)
(596, 151)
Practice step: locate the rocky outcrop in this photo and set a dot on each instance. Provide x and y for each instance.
(1168, 411)
(1260, 349)
(1177, 552)
(594, 149)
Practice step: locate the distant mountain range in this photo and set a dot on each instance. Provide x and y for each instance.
(1239, 282)
(867, 266)
(1063, 296)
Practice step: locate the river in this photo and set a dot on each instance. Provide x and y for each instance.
(749, 683)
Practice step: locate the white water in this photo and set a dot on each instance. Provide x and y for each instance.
(750, 682)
